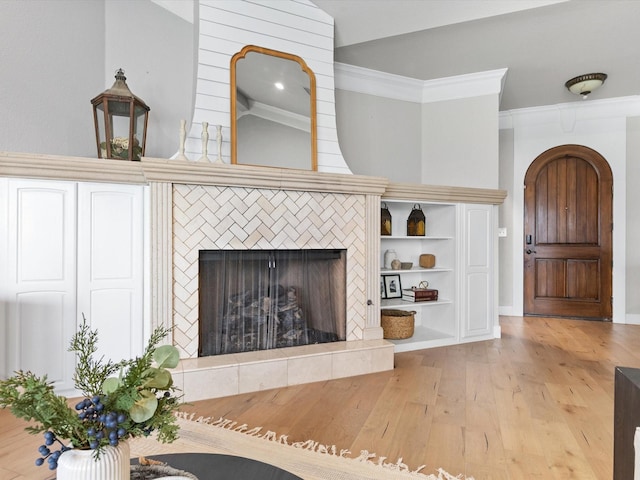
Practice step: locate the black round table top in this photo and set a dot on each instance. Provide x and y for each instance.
(213, 466)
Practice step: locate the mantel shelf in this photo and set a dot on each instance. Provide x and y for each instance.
(54, 167)
(84, 169)
(442, 193)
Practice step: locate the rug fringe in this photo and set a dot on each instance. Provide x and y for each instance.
(316, 447)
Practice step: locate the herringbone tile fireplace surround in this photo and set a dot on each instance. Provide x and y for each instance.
(222, 218)
(219, 208)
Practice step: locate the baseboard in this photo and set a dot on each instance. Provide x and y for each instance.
(508, 311)
(632, 319)
(497, 331)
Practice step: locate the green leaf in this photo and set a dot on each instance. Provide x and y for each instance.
(110, 385)
(166, 356)
(158, 378)
(145, 407)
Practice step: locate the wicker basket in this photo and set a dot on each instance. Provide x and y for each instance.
(397, 324)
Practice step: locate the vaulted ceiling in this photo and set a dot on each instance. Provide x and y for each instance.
(541, 43)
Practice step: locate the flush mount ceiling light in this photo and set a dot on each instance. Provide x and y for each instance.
(585, 84)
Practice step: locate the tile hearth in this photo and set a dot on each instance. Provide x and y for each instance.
(223, 375)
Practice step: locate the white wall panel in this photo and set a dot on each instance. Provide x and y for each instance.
(477, 321)
(40, 234)
(110, 265)
(42, 333)
(38, 278)
(111, 313)
(477, 277)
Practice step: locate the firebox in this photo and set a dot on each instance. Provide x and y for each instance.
(264, 299)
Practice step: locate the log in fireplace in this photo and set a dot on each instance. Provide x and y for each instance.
(264, 299)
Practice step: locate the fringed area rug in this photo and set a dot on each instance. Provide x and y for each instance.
(309, 460)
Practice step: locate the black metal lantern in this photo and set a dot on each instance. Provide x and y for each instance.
(415, 222)
(121, 122)
(385, 217)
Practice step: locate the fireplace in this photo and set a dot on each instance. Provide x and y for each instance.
(264, 299)
(202, 207)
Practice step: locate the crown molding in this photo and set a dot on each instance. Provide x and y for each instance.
(397, 87)
(568, 113)
(457, 87)
(379, 84)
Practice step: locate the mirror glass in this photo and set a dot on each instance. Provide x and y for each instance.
(273, 110)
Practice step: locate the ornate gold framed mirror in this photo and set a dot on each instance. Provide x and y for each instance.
(273, 110)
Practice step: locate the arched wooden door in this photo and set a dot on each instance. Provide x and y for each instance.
(568, 234)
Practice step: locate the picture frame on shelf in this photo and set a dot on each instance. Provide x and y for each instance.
(383, 292)
(392, 286)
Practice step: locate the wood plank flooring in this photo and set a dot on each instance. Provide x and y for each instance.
(534, 404)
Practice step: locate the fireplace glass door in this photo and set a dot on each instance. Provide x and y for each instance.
(263, 299)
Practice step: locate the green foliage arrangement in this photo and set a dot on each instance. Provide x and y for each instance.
(122, 400)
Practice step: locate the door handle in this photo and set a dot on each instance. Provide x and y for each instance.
(529, 251)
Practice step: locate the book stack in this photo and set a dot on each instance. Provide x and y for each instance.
(419, 294)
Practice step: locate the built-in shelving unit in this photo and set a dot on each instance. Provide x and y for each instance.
(460, 231)
(436, 321)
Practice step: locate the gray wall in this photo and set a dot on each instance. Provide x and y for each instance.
(632, 223)
(157, 51)
(460, 142)
(505, 219)
(57, 55)
(379, 136)
(49, 76)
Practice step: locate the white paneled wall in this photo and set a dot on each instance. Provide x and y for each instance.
(68, 248)
(110, 265)
(38, 277)
(479, 266)
(294, 26)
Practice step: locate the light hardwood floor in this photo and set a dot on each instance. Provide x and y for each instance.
(534, 404)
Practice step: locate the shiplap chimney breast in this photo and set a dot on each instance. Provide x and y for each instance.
(292, 26)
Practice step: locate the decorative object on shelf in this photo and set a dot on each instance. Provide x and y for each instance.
(383, 292)
(397, 324)
(406, 265)
(385, 218)
(122, 400)
(585, 84)
(392, 286)
(120, 120)
(421, 293)
(415, 222)
(219, 143)
(427, 260)
(205, 142)
(396, 264)
(389, 256)
(183, 138)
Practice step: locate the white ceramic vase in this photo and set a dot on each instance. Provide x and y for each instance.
(113, 464)
(389, 256)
